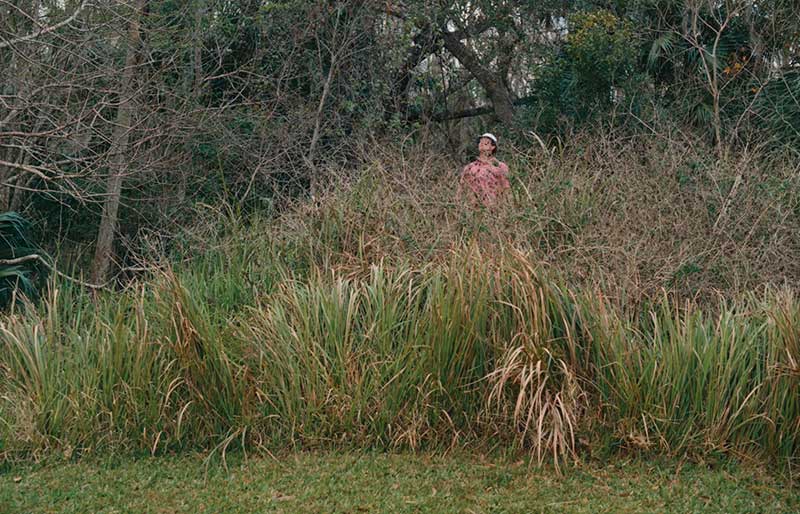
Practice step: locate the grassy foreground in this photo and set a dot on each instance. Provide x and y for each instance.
(341, 482)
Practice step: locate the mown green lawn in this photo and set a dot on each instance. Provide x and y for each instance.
(348, 482)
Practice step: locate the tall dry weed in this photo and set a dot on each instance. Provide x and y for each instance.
(540, 363)
(632, 214)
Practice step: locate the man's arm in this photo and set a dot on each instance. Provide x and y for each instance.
(503, 177)
(462, 182)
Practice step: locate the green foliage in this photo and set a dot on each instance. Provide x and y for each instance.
(601, 50)
(737, 51)
(591, 73)
(22, 278)
(778, 108)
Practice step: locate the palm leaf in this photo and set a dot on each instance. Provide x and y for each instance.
(661, 48)
(778, 108)
(19, 279)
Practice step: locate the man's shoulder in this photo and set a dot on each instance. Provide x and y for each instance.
(471, 165)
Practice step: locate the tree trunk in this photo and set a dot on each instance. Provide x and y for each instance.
(493, 85)
(118, 150)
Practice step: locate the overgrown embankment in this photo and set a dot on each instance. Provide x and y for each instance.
(385, 315)
(634, 215)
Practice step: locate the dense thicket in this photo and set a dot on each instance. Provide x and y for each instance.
(116, 117)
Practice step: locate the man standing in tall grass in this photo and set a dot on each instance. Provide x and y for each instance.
(484, 180)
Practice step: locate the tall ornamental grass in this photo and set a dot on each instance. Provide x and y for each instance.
(677, 380)
(483, 349)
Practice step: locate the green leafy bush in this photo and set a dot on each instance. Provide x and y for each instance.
(590, 73)
(601, 52)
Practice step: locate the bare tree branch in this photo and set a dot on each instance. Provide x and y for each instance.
(45, 30)
(39, 258)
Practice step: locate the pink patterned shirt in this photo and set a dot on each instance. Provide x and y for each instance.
(485, 180)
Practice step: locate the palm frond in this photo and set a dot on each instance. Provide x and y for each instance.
(20, 278)
(778, 108)
(661, 48)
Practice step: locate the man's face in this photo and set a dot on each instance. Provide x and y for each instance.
(485, 145)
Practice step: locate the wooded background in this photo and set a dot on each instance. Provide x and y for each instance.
(116, 117)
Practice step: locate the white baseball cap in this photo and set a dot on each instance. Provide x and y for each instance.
(490, 136)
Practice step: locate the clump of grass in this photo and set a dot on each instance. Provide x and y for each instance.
(76, 376)
(143, 369)
(540, 362)
(782, 382)
(677, 380)
(214, 382)
(384, 361)
(684, 382)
